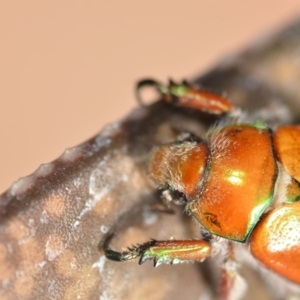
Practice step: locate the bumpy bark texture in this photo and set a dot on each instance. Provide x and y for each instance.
(53, 221)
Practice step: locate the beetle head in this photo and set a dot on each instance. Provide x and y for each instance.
(179, 166)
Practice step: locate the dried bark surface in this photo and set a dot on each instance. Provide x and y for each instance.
(51, 222)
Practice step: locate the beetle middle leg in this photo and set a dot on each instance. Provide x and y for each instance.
(232, 285)
(170, 251)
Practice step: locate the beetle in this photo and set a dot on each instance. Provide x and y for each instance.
(241, 183)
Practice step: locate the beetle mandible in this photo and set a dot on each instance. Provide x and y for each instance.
(240, 182)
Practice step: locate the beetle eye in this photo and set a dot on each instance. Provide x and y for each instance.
(174, 196)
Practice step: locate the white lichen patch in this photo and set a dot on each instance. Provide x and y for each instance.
(42, 264)
(44, 218)
(77, 182)
(100, 264)
(104, 296)
(44, 170)
(104, 229)
(23, 184)
(54, 247)
(110, 130)
(105, 177)
(71, 154)
(87, 207)
(149, 216)
(76, 223)
(102, 141)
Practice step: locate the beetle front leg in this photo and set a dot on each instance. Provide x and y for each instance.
(171, 251)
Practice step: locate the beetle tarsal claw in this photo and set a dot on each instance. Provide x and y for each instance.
(143, 259)
(133, 252)
(146, 256)
(157, 262)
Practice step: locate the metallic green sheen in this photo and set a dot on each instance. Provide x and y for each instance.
(179, 90)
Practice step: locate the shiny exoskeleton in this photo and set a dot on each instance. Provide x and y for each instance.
(240, 182)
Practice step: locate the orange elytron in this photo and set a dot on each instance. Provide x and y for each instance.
(240, 182)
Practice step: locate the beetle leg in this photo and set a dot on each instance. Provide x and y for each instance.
(132, 253)
(184, 95)
(149, 83)
(176, 251)
(232, 286)
(171, 251)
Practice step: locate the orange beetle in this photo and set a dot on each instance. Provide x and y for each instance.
(241, 183)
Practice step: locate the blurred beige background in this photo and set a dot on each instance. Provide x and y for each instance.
(67, 68)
